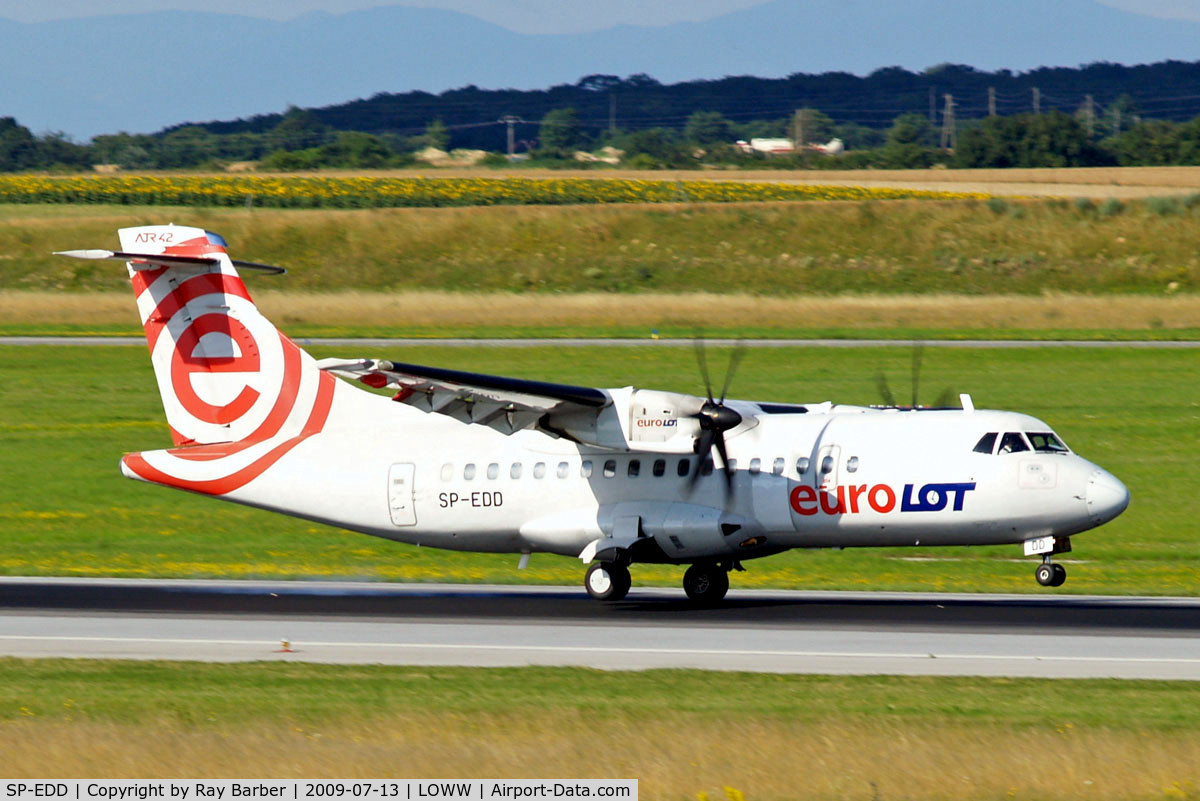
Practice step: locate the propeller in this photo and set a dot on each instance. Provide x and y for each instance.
(714, 416)
(945, 399)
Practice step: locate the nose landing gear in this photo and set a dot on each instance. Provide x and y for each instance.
(1050, 574)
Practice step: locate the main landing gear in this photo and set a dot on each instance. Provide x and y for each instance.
(704, 582)
(607, 581)
(1050, 574)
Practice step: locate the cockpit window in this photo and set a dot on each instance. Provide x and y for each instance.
(1012, 442)
(987, 443)
(1046, 442)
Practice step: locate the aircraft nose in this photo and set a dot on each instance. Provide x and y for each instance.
(1107, 497)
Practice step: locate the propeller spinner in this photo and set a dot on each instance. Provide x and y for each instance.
(715, 417)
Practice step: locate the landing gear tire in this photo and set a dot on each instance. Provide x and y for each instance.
(606, 581)
(706, 583)
(1049, 574)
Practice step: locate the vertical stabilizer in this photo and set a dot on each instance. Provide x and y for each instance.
(224, 372)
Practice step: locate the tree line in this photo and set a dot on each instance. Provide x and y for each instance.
(652, 126)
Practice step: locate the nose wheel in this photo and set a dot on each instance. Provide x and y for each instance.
(1050, 574)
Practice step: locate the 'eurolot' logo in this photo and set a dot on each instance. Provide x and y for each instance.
(880, 498)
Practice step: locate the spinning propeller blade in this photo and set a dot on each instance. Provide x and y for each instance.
(715, 417)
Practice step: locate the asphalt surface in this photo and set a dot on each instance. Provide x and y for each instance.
(624, 343)
(770, 631)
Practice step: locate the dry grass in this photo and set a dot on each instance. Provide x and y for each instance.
(1122, 182)
(678, 756)
(590, 311)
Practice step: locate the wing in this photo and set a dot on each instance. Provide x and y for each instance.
(505, 404)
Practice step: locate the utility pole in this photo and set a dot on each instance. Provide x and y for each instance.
(1089, 113)
(510, 120)
(991, 101)
(932, 107)
(1037, 100)
(798, 124)
(949, 140)
(612, 113)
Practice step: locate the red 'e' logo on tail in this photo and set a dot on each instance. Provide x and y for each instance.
(184, 363)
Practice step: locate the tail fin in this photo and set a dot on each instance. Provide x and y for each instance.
(224, 372)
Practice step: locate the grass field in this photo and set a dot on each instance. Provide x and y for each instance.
(601, 314)
(69, 414)
(762, 250)
(681, 733)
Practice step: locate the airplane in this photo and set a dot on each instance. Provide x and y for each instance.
(613, 477)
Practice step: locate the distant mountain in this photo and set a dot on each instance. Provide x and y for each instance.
(142, 72)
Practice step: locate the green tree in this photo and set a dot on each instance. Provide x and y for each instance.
(437, 135)
(357, 150)
(1053, 139)
(815, 126)
(708, 128)
(655, 147)
(560, 133)
(909, 143)
(299, 129)
(18, 150)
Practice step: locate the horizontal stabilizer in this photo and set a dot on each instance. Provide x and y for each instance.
(150, 261)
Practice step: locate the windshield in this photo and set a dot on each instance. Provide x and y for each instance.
(1046, 442)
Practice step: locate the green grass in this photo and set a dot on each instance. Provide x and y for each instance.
(767, 249)
(681, 734)
(68, 414)
(189, 693)
(718, 329)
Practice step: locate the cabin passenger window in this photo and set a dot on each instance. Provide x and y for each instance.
(447, 471)
(802, 465)
(493, 471)
(755, 466)
(852, 465)
(563, 469)
(660, 467)
(777, 466)
(685, 467)
(515, 470)
(987, 443)
(468, 471)
(539, 470)
(585, 469)
(610, 468)
(635, 467)
(1046, 442)
(1012, 443)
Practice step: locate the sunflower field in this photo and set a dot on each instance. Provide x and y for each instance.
(345, 192)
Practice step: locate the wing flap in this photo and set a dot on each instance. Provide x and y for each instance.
(505, 404)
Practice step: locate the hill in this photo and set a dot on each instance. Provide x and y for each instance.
(141, 72)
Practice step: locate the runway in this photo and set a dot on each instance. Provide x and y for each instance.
(767, 631)
(601, 342)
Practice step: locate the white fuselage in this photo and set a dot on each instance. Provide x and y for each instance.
(836, 476)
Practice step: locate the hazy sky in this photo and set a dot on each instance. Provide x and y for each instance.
(525, 16)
